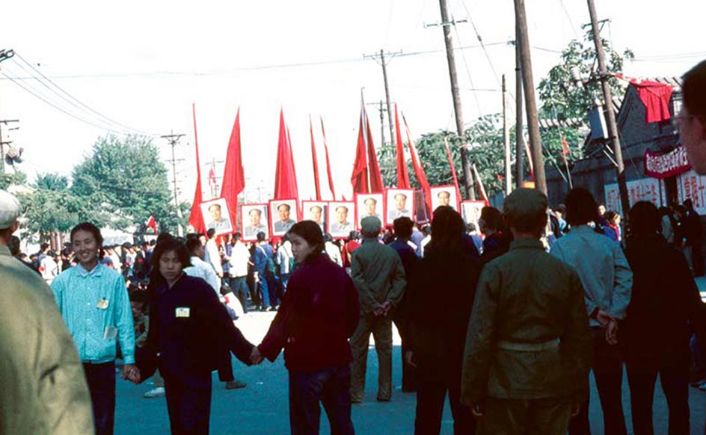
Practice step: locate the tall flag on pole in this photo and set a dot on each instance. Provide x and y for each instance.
(315, 161)
(359, 178)
(285, 175)
(481, 188)
(417, 166)
(453, 169)
(376, 184)
(196, 217)
(402, 172)
(328, 163)
(233, 174)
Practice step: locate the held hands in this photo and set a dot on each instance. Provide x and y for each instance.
(382, 310)
(131, 373)
(611, 327)
(477, 410)
(409, 358)
(255, 356)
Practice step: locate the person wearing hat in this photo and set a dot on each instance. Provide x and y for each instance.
(43, 386)
(528, 346)
(379, 277)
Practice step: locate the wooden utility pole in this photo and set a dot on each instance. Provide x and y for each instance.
(173, 140)
(381, 57)
(609, 112)
(465, 160)
(530, 99)
(506, 143)
(2, 144)
(519, 130)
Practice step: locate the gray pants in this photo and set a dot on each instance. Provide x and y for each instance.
(525, 417)
(381, 328)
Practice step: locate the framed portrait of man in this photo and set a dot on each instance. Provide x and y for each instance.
(369, 204)
(315, 211)
(284, 215)
(443, 195)
(255, 220)
(216, 216)
(399, 203)
(340, 218)
(470, 211)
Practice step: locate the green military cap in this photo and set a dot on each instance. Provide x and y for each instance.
(370, 225)
(525, 203)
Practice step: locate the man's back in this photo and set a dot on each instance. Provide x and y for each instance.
(377, 269)
(43, 386)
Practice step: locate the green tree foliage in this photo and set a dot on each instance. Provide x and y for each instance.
(125, 182)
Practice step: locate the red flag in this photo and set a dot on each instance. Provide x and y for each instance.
(417, 166)
(233, 174)
(212, 176)
(315, 162)
(328, 163)
(402, 173)
(359, 178)
(152, 223)
(453, 169)
(285, 175)
(376, 184)
(196, 217)
(481, 188)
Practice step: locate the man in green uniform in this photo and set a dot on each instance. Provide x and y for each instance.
(378, 275)
(528, 347)
(43, 387)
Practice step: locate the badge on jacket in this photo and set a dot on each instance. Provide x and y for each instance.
(183, 312)
(102, 304)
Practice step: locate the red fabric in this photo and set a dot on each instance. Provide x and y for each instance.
(481, 188)
(196, 217)
(376, 184)
(418, 169)
(233, 174)
(328, 163)
(402, 172)
(285, 174)
(152, 223)
(565, 150)
(315, 162)
(453, 169)
(359, 178)
(655, 96)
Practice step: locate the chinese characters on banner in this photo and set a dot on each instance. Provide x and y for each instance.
(646, 189)
(691, 185)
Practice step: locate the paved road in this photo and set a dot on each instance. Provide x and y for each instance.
(262, 407)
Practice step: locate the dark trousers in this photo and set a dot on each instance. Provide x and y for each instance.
(331, 387)
(101, 384)
(697, 258)
(239, 287)
(409, 373)
(527, 417)
(608, 371)
(675, 383)
(189, 403)
(430, 407)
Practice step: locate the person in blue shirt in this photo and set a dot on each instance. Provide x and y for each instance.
(262, 257)
(94, 303)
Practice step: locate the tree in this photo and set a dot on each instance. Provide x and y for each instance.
(125, 182)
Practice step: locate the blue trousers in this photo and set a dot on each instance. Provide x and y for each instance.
(101, 384)
(330, 387)
(239, 286)
(264, 288)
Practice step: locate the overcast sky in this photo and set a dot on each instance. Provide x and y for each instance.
(142, 64)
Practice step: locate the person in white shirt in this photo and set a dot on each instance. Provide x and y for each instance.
(213, 255)
(285, 260)
(238, 272)
(48, 267)
(333, 251)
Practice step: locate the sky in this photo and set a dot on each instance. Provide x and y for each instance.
(142, 64)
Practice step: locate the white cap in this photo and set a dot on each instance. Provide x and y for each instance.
(10, 209)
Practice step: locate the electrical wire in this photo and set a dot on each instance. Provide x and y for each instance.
(470, 78)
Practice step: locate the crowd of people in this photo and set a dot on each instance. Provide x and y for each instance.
(524, 307)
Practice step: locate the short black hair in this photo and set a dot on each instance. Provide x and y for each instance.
(581, 207)
(91, 228)
(693, 90)
(237, 236)
(644, 219)
(14, 245)
(169, 245)
(311, 232)
(403, 227)
(261, 236)
(211, 232)
(192, 244)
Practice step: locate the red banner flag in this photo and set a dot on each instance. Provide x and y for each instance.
(328, 163)
(152, 223)
(315, 162)
(417, 166)
(233, 174)
(196, 217)
(285, 174)
(402, 172)
(565, 150)
(453, 169)
(376, 184)
(359, 178)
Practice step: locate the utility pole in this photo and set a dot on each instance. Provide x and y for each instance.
(381, 109)
(519, 130)
(530, 99)
(456, 97)
(609, 112)
(173, 140)
(506, 143)
(2, 144)
(381, 57)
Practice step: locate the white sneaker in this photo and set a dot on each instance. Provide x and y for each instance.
(154, 393)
